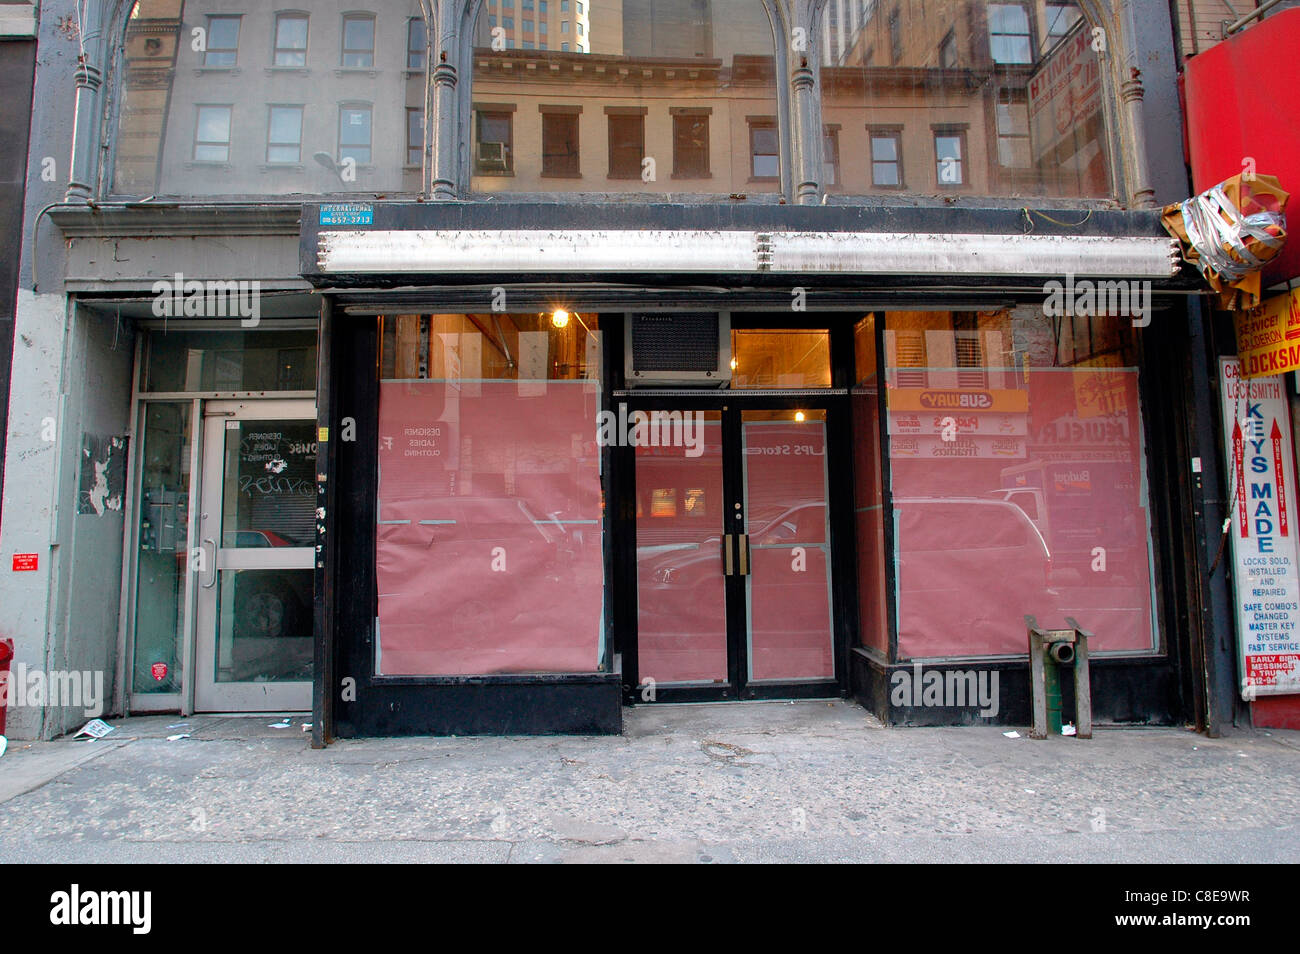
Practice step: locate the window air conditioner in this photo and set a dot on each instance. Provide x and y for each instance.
(677, 348)
(492, 156)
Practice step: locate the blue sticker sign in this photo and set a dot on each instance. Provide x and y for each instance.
(348, 213)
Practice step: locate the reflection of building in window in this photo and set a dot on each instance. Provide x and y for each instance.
(222, 41)
(494, 149)
(212, 134)
(284, 137)
(887, 158)
(414, 136)
(690, 142)
(1009, 37)
(765, 160)
(831, 156)
(290, 40)
(626, 141)
(560, 140)
(415, 43)
(358, 42)
(949, 153)
(354, 133)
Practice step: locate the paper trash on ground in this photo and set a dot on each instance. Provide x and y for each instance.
(95, 729)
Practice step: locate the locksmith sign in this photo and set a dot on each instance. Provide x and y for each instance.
(1257, 425)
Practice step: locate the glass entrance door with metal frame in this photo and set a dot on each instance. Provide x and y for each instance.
(256, 530)
(733, 550)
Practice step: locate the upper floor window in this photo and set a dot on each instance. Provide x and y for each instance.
(1009, 37)
(358, 41)
(284, 134)
(212, 134)
(354, 133)
(690, 143)
(415, 43)
(291, 39)
(949, 150)
(494, 140)
(765, 157)
(1061, 17)
(222, 41)
(560, 141)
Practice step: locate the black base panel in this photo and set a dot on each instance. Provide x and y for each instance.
(589, 707)
(1124, 692)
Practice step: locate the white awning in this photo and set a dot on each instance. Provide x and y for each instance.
(656, 251)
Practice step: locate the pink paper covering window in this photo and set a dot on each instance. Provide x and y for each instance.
(489, 541)
(1018, 481)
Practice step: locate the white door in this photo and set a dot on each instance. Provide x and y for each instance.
(257, 526)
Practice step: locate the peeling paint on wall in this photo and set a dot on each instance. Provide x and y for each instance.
(103, 475)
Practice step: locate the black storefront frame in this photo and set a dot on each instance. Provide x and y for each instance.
(1160, 689)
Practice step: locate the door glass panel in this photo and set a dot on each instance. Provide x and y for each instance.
(269, 489)
(788, 589)
(681, 596)
(163, 544)
(780, 358)
(264, 626)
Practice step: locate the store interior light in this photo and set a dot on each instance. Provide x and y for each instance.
(799, 416)
(733, 364)
(559, 318)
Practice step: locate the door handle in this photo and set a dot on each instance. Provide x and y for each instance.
(212, 580)
(742, 546)
(728, 562)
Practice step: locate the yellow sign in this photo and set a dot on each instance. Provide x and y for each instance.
(323, 434)
(958, 399)
(1268, 338)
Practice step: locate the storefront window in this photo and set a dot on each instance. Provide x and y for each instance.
(651, 97)
(489, 545)
(780, 358)
(230, 361)
(308, 101)
(965, 96)
(1018, 481)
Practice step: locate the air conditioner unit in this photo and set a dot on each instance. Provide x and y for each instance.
(677, 348)
(492, 156)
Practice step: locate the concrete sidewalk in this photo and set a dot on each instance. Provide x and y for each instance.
(809, 781)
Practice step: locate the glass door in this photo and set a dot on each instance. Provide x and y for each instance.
(733, 550)
(256, 531)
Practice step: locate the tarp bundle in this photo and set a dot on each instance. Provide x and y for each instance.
(1230, 232)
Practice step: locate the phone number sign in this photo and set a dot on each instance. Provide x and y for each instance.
(1266, 578)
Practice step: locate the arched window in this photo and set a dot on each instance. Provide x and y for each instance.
(219, 99)
(637, 97)
(952, 97)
